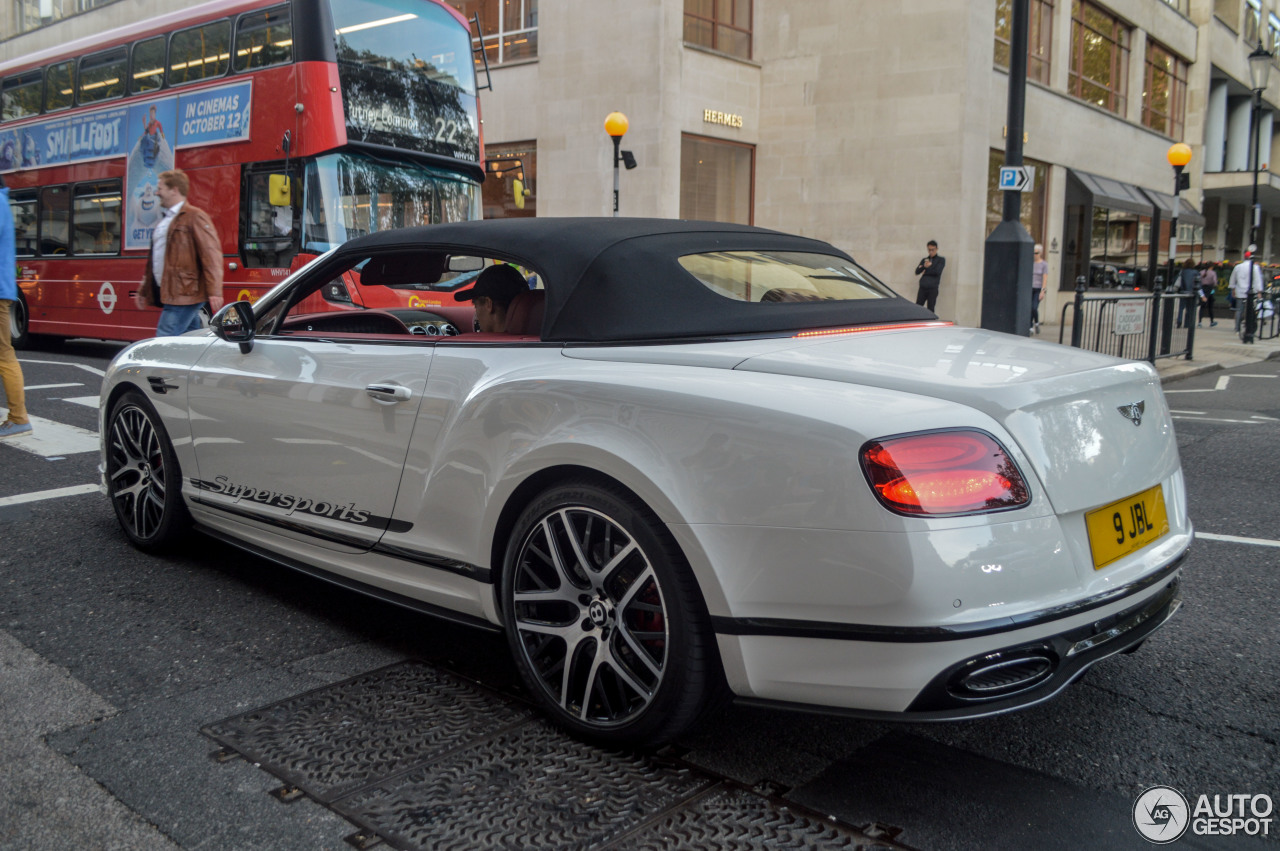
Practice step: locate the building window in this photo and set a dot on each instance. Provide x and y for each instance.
(509, 28)
(717, 179)
(1099, 57)
(1228, 11)
(510, 180)
(723, 25)
(1164, 98)
(1180, 5)
(1252, 21)
(1039, 37)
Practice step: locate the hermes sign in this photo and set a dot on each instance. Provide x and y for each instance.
(711, 116)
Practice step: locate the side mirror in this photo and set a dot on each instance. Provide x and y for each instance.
(278, 190)
(234, 323)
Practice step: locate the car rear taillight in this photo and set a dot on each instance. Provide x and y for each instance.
(943, 472)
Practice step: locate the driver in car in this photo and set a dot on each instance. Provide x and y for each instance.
(492, 295)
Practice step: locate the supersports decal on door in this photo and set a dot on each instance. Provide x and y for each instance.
(290, 504)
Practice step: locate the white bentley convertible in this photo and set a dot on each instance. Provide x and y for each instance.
(701, 456)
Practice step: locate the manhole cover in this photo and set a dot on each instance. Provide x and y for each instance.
(334, 740)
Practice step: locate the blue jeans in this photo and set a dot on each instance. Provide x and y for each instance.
(178, 319)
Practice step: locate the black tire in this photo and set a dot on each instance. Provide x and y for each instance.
(143, 479)
(618, 657)
(19, 317)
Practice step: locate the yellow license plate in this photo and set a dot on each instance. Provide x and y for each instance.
(1126, 526)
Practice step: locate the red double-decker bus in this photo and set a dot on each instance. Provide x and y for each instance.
(301, 124)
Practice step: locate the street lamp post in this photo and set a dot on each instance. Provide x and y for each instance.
(1178, 156)
(1259, 70)
(615, 124)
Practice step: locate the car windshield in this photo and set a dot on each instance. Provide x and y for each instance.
(783, 276)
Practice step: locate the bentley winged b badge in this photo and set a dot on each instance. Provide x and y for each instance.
(1133, 412)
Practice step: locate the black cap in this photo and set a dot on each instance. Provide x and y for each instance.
(500, 282)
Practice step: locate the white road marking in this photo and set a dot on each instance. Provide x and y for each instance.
(1223, 382)
(1216, 420)
(1232, 539)
(1196, 413)
(56, 493)
(87, 401)
(50, 439)
(53, 386)
(83, 366)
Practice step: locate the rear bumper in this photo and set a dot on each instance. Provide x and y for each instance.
(935, 675)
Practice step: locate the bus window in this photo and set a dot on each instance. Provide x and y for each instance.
(200, 53)
(148, 65)
(55, 220)
(102, 75)
(95, 213)
(23, 206)
(21, 95)
(270, 229)
(264, 38)
(59, 85)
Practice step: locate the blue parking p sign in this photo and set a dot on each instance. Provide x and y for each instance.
(1019, 178)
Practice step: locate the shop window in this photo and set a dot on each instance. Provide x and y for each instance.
(95, 214)
(717, 180)
(59, 85)
(1033, 202)
(147, 70)
(1164, 99)
(263, 39)
(722, 25)
(200, 53)
(511, 178)
(1039, 37)
(508, 28)
(102, 75)
(1099, 57)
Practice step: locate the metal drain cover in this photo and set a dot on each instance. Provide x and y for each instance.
(422, 759)
(339, 738)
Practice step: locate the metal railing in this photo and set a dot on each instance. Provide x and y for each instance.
(1138, 326)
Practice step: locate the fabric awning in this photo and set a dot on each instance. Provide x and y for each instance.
(1187, 214)
(1114, 193)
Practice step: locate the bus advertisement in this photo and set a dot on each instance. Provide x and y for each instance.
(300, 125)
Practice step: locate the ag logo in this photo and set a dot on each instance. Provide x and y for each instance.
(107, 297)
(1161, 814)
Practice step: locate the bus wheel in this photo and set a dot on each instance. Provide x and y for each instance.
(19, 335)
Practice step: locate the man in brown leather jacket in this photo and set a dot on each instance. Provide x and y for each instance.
(185, 258)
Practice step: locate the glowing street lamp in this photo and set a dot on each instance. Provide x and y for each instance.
(616, 126)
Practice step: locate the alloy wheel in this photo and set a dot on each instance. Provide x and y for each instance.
(136, 472)
(590, 615)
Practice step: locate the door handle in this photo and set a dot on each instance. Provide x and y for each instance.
(388, 394)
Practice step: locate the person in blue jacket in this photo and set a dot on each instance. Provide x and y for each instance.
(10, 372)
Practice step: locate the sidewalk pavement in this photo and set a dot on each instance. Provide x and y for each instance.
(1214, 348)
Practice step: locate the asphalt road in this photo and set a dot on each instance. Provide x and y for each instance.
(112, 663)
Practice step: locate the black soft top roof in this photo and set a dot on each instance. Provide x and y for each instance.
(619, 279)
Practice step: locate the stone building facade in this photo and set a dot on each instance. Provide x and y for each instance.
(876, 126)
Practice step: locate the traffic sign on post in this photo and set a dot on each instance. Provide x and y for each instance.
(1018, 178)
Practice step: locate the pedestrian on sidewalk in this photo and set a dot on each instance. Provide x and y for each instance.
(930, 271)
(184, 268)
(10, 371)
(1039, 270)
(1188, 288)
(1208, 289)
(1241, 285)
